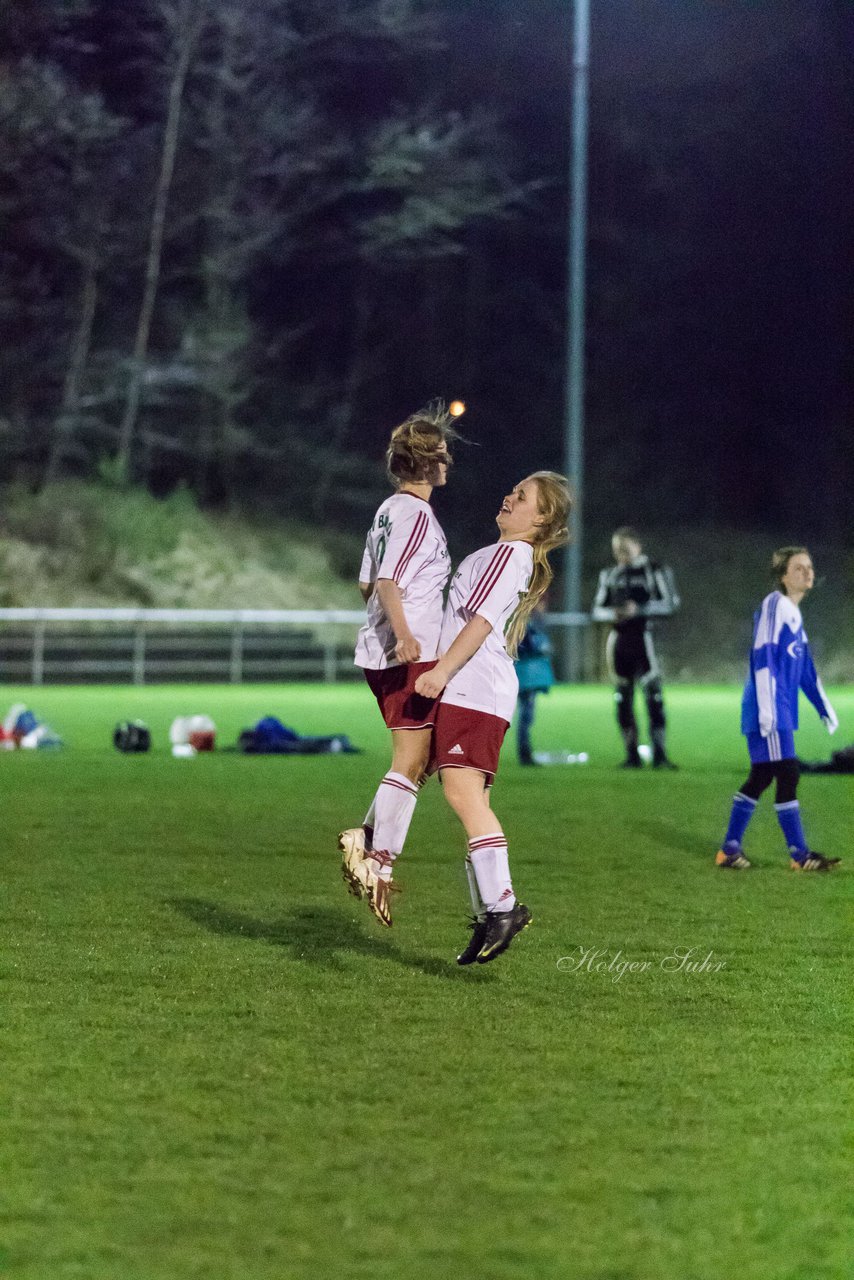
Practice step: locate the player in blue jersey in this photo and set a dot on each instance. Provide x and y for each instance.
(780, 666)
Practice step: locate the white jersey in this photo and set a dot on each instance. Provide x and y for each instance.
(405, 543)
(490, 583)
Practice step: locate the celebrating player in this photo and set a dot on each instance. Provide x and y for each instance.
(494, 590)
(404, 571)
(630, 595)
(780, 665)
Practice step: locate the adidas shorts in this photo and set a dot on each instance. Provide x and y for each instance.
(394, 690)
(465, 739)
(779, 745)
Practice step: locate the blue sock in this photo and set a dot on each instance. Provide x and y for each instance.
(743, 809)
(789, 818)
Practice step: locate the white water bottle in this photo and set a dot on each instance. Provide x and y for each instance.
(561, 757)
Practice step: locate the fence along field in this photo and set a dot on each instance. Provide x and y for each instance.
(49, 646)
(145, 646)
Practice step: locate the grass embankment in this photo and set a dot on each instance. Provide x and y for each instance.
(216, 1064)
(86, 544)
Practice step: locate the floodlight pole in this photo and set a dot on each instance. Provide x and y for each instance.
(574, 386)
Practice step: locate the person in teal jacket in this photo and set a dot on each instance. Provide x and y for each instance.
(536, 675)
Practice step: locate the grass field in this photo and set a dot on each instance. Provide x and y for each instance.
(216, 1064)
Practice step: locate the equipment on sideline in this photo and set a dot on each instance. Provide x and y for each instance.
(190, 734)
(22, 728)
(271, 737)
(132, 736)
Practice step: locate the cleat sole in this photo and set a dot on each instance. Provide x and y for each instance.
(380, 904)
(354, 886)
(349, 852)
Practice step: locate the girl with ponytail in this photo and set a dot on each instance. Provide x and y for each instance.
(492, 596)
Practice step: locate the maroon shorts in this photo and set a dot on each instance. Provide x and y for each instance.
(394, 690)
(465, 739)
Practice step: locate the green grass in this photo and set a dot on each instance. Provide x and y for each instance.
(216, 1064)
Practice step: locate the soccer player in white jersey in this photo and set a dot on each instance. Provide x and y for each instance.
(492, 596)
(405, 569)
(780, 666)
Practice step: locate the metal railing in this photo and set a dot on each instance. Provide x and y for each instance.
(50, 646)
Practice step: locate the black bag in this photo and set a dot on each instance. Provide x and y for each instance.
(132, 735)
(840, 762)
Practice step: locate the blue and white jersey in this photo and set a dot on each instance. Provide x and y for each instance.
(780, 665)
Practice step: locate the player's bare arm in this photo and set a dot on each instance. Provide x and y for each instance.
(407, 649)
(366, 590)
(431, 683)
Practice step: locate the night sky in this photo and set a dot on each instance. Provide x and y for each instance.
(719, 280)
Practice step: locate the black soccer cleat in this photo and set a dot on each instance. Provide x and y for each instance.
(813, 861)
(501, 929)
(733, 858)
(663, 762)
(478, 937)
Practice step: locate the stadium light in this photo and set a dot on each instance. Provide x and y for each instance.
(457, 408)
(574, 368)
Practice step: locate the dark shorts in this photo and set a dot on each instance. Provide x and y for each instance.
(631, 655)
(394, 690)
(465, 739)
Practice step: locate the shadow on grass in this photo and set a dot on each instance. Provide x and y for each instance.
(669, 836)
(318, 935)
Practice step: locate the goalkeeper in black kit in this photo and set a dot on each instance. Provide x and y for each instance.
(630, 595)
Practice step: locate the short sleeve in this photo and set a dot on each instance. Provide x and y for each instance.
(408, 546)
(499, 586)
(366, 572)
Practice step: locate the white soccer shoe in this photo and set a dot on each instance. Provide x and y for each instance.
(353, 870)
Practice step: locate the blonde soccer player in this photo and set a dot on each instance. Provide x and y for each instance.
(405, 569)
(492, 597)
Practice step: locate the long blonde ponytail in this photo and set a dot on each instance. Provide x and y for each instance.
(554, 504)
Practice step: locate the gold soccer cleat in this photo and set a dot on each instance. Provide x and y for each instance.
(379, 891)
(353, 872)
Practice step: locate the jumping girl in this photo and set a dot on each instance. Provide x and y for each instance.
(405, 569)
(492, 596)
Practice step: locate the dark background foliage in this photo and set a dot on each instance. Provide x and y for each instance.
(365, 206)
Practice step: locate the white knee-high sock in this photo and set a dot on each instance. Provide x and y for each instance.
(492, 868)
(394, 805)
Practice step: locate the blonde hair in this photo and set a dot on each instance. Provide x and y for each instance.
(554, 504)
(411, 453)
(780, 562)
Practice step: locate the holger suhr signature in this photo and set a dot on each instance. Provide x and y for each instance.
(690, 960)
